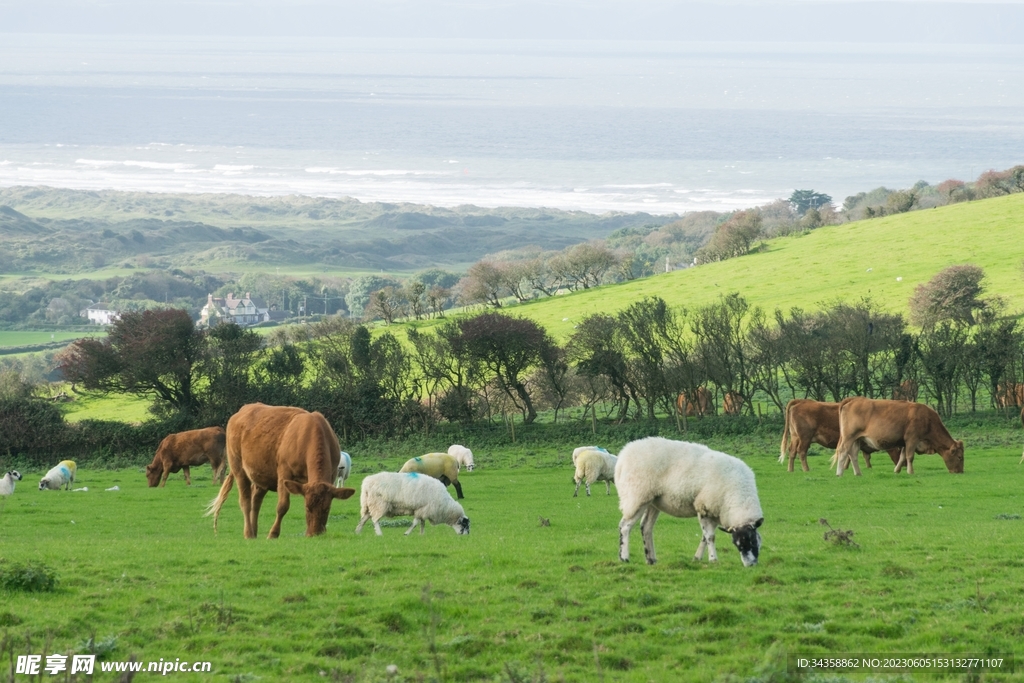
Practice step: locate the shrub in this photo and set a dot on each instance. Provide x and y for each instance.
(29, 577)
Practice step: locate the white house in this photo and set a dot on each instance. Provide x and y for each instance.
(243, 311)
(100, 313)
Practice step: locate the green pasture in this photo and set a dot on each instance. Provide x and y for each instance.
(846, 262)
(937, 569)
(29, 337)
(114, 407)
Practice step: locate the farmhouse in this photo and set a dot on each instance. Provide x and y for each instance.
(242, 311)
(100, 313)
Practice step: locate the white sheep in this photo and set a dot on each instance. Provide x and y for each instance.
(463, 455)
(684, 479)
(61, 475)
(344, 469)
(391, 494)
(7, 482)
(593, 464)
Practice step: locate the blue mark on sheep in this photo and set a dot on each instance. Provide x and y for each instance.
(412, 474)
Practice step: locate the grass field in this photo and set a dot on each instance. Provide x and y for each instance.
(938, 570)
(27, 337)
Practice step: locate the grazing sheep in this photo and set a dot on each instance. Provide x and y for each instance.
(7, 482)
(61, 475)
(593, 465)
(657, 475)
(344, 469)
(463, 455)
(583, 449)
(437, 465)
(387, 494)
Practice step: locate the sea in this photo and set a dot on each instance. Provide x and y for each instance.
(596, 125)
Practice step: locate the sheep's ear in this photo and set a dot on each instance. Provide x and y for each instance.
(293, 487)
(759, 522)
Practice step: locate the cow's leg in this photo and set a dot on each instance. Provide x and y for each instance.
(867, 459)
(245, 502)
(188, 475)
(258, 492)
(167, 473)
(909, 448)
(625, 526)
(283, 503)
(647, 532)
(708, 526)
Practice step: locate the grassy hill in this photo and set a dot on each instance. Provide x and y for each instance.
(851, 261)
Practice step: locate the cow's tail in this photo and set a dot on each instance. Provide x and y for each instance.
(784, 446)
(214, 507)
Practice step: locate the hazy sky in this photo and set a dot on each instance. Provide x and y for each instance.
(807, 20)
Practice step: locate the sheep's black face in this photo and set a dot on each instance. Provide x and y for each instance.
(462, 526)
(748, 542)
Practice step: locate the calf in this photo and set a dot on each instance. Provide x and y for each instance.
(188, 449)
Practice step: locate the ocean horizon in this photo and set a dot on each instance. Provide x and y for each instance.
(596, 126)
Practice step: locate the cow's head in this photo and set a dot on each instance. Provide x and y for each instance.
(747, 541)
(319, 496)
(954, 458)
(462, 526)
(153, 474)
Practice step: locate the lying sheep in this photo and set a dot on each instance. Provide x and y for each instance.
(593, 464)
(657, 475)
(388, 494)
(463, 455)
(7, 482)
(61, 475)
(344, 469)
(437, 465)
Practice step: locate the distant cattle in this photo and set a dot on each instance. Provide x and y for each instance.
(815, 422)
(1010, 395)
(701, 406)
(881, 424)
(906, 391)
(732, 404)
(183, 450)
(282, 449)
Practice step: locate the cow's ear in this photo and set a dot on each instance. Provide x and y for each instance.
(759, 522)
(293, 487)
(342, 494)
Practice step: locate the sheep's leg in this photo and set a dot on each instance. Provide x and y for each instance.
(707, 540)
(188, 475)
(364, 520)
(580, 481)
(283, 503)
(458, 488)
(607, 488)
(625, 526)
(647, 532)
(415, 521)
(376, 527)
(588, 489)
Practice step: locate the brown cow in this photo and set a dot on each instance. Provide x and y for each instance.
(881, 424)
(187, 449)
(702, 406)
(906, 391)
(732, 404)
(1010, 395)
(815, 422)
(287, 450)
